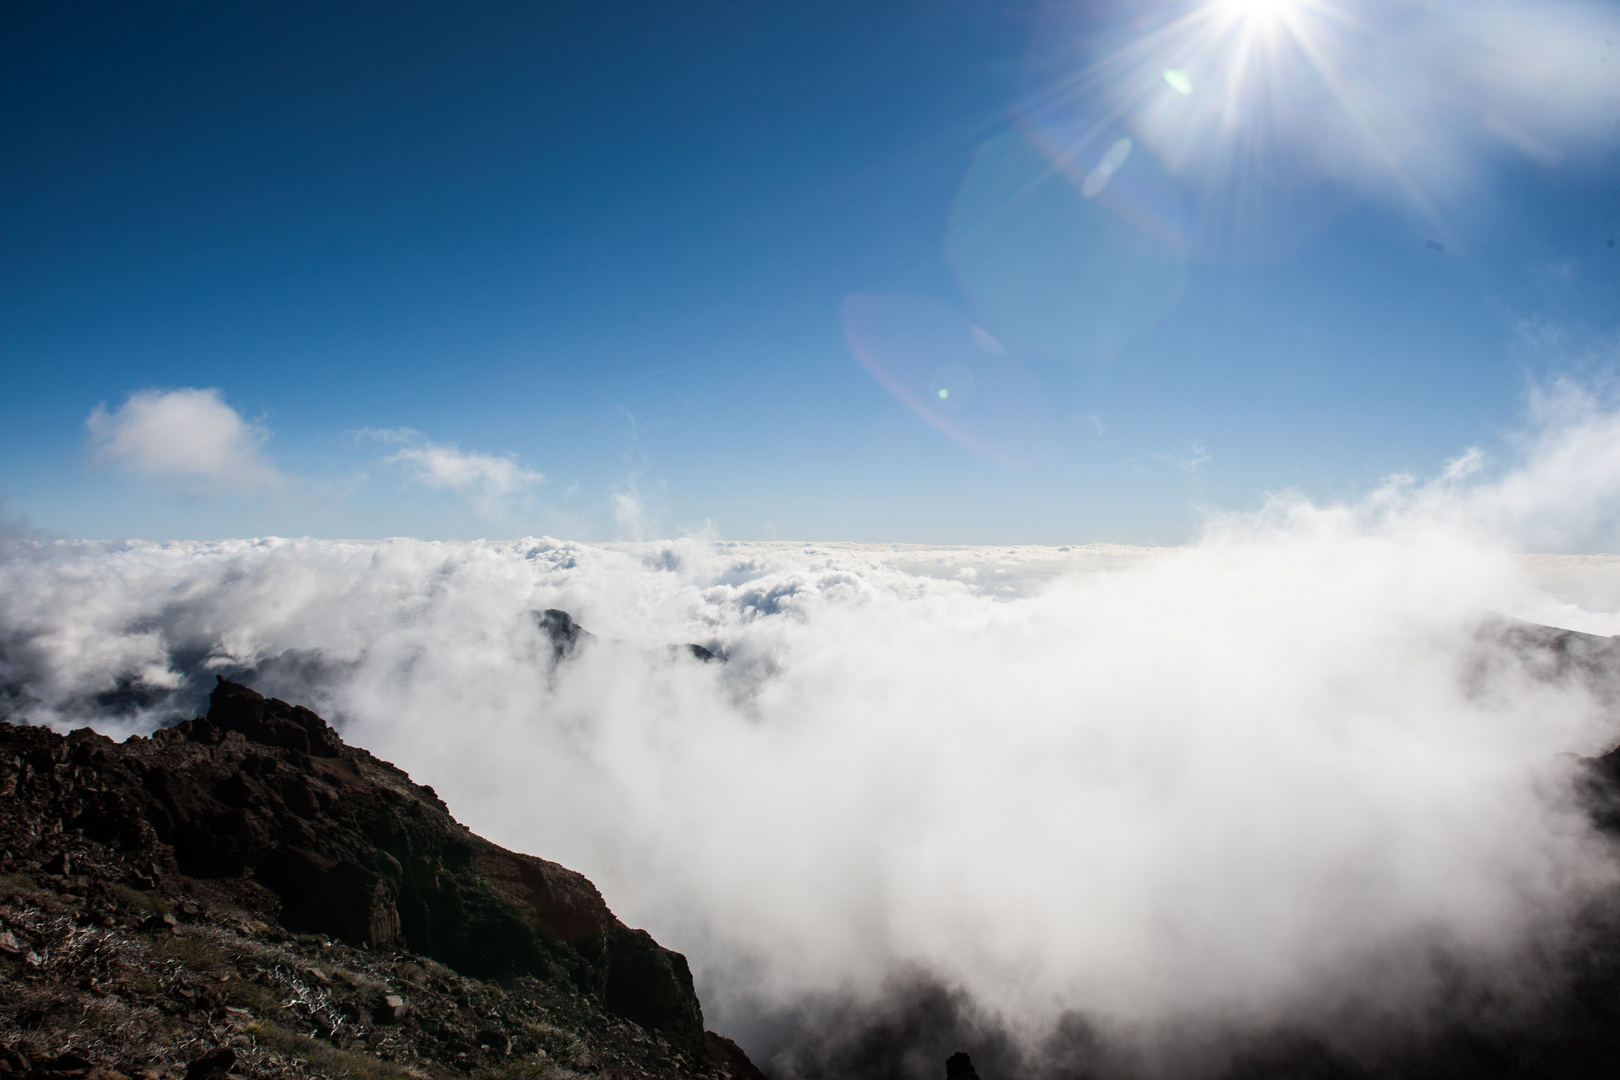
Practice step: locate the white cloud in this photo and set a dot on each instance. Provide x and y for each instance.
(1261, 776)
(446, 467)
(187, 439)
(629, 521)
(486, 478)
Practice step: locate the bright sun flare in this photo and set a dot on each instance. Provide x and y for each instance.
(1258, 9)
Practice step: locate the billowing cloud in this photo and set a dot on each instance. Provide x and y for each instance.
(187, 439)
(1284, 775)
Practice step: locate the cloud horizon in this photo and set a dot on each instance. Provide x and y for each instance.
(1262, 778)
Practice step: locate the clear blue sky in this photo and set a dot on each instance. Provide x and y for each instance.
(637, 269)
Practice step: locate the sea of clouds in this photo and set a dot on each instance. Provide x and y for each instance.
(1265, 777)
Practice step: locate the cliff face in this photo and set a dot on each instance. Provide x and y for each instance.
(259, 810)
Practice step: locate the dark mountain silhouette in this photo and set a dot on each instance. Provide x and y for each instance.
(245, 884)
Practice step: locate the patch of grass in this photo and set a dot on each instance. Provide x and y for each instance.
(19, 885)
(516, 1070)
(143, 986)
(152, 905)
(261, 999)
(324, 1056)
(195, 953)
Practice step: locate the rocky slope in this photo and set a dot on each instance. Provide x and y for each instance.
(243, 894)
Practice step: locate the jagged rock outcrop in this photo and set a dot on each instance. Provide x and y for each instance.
(261, 806)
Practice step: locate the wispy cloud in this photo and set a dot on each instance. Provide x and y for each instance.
(488, 479)
(637, 512)
(186, 439)
(1192, 459)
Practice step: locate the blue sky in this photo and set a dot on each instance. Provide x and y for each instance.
(629, 270)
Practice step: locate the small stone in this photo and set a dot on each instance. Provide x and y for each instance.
(392, 1009)
(160, 924)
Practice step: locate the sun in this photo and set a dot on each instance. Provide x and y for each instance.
(1258, 9)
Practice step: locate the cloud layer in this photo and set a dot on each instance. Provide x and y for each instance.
(188, 439)
(1280, 774)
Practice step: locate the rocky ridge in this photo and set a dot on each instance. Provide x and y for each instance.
(245, 895)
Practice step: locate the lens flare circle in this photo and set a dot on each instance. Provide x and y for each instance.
(954, 375)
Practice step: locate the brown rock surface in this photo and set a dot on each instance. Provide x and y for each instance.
(246, 886)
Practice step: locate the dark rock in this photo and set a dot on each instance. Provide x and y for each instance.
(565, 634)
(219, 1060)
(69, 1062)
(959, 1067)
(652, 986)
(392, 1010)
(258, 815)
(722, 1051)
(270, 722)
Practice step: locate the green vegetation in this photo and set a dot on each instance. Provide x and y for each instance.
(516, 1070)
(261, 999)
(152, 905)
(18, 885)
(324, 1056)
(195, 953)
